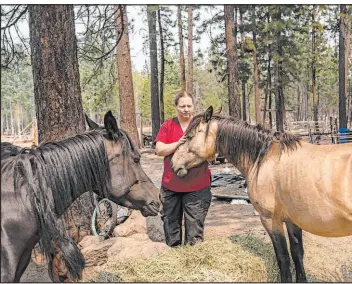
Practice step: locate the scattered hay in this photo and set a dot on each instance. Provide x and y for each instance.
(216, 260)
(240, 258)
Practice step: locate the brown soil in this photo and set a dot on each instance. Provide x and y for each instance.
(331, 257)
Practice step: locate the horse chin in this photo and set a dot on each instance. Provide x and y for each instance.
(182, 172)
(152, 209)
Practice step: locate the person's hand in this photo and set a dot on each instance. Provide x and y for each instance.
(182, 140)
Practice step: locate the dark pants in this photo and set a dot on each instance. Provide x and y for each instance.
(193, 205)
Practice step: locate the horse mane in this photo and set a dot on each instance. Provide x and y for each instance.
(241, 139)
(9, 150)
(54, 173)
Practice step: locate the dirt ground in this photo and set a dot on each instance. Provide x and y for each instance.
(330, 256)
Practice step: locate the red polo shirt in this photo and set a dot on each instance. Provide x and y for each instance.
(197, 178)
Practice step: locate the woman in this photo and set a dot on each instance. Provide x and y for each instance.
(189, 196)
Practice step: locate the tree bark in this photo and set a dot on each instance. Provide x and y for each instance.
(244, 112)
(190, 50)
(314, 76)
(298, 103)
(3, 117)
(57, 91)
(182, 55)
(162, 68)
(154, 86)
(343, 66)
(268, 87)
(231, 52)
(124, 73)
(306, 90)
(279, 98)
(255, 70)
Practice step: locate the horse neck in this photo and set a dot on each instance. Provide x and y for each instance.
(240, 144)
(69, 171)
(65, 205)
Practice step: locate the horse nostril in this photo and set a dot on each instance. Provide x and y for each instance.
(171, 164)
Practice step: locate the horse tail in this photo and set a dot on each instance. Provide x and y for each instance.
(68, 262)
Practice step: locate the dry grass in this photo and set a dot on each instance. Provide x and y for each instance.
(240, 258)
(328, 259)
(216, 260)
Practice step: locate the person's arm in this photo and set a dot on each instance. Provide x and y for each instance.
(163, 149)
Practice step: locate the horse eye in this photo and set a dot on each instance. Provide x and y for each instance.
(137, 159)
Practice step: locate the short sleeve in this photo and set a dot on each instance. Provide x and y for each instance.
(163, 133)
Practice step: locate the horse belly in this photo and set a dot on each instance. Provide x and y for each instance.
(318, 212)
(333, 226)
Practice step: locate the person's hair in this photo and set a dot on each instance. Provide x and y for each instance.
(182, 94)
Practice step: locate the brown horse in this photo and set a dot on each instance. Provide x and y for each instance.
(289, 180)
(38, 185)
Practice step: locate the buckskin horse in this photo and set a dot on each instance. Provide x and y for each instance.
(289, 180)
(38, 185)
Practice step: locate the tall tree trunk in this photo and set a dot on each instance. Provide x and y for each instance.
(306, 90)
(244, 113)
(3, 117)
(268, 87)
(347, 51)
(343, 66)
(162, 68)
(268, 83)
(154, 87)
(18, 118)
(57, 91)
(258, 118)
(270, 107)
(190, 50)
(314, 76)
(350, 102)
(11, 117)
(279, 98)
(7, 124)
(249, 104)
(231, 52)
(124, 73)
(298, 103)
(182, 55)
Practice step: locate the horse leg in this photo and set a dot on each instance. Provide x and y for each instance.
(296, 245)
(9, 263)
(22, 265)
(275, 230)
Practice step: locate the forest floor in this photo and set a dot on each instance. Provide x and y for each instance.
(327, 259)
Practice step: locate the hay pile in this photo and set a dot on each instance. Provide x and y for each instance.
(216, 260)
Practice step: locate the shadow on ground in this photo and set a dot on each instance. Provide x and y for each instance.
(266, 252)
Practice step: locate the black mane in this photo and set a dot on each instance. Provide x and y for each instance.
(242, 140)
(9, 150)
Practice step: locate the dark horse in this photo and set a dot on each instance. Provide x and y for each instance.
(289, 180)
(38, 185)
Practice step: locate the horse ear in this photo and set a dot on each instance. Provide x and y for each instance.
(91, 124)
(208, 114)
(110, 123)
(218, 111)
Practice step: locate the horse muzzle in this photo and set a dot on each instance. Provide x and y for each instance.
(151, 209)
(181, 172)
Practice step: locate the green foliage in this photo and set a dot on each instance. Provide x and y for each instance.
(17, 89)
(99, 87)
(141, 85)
